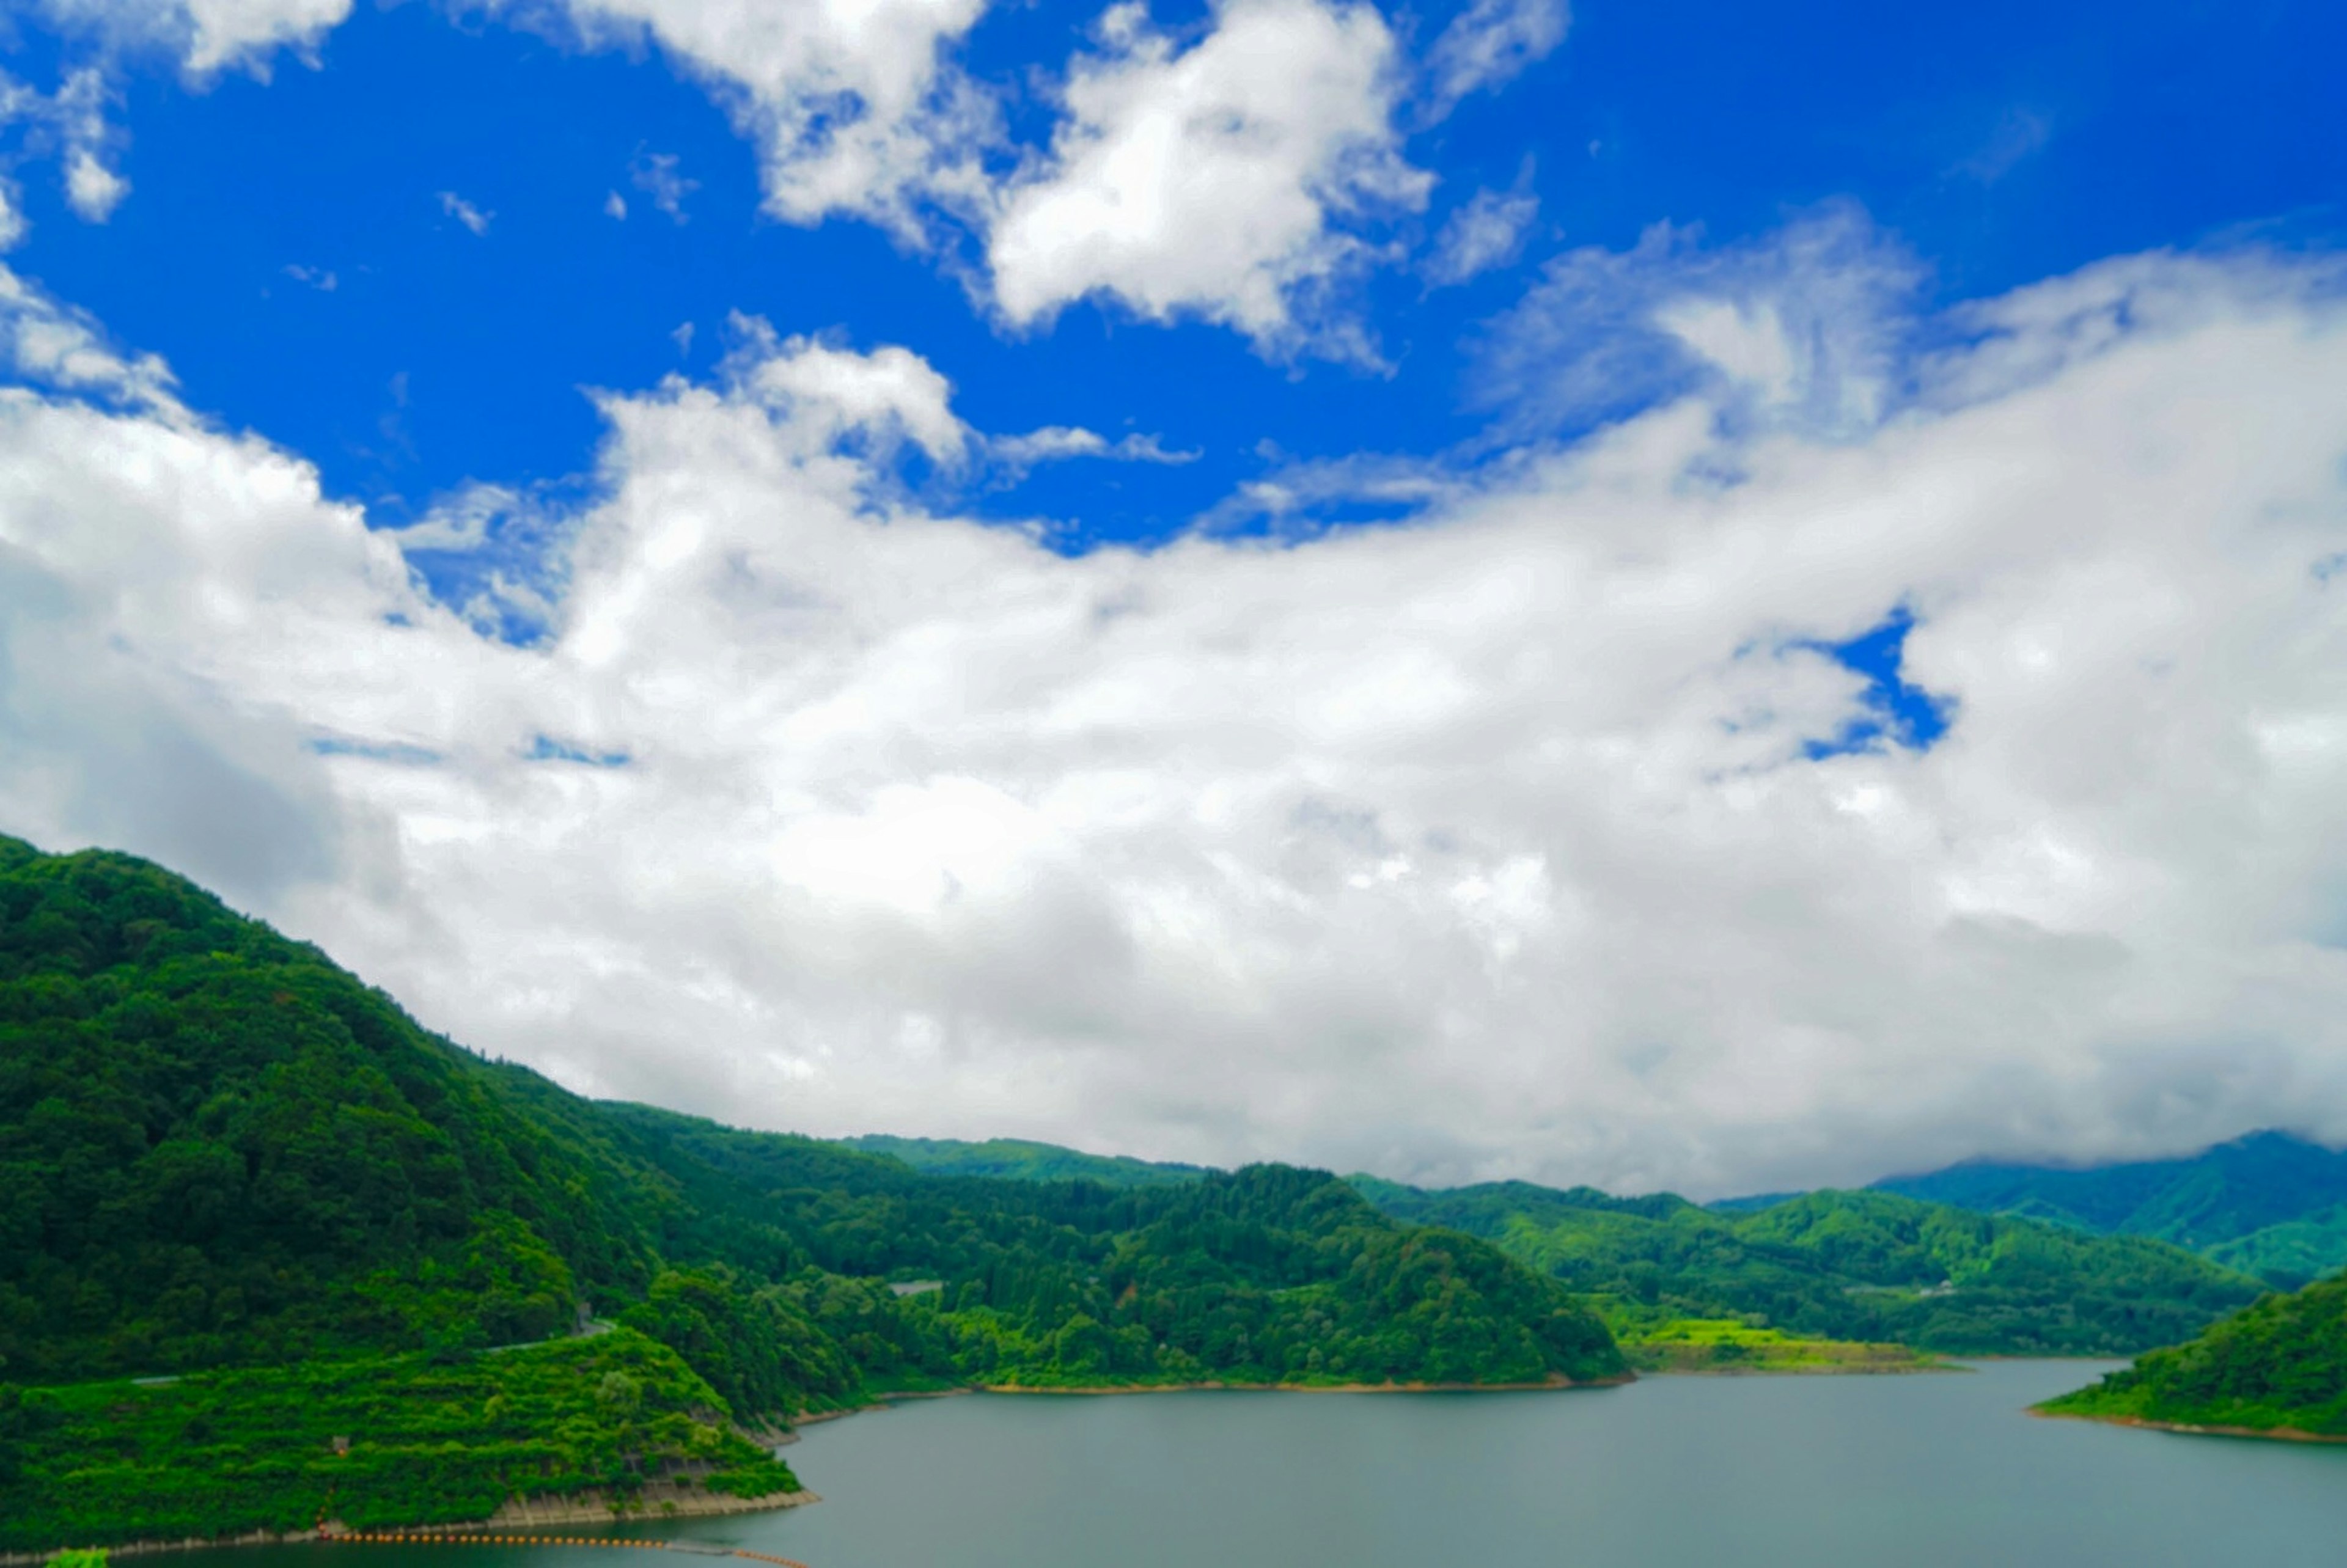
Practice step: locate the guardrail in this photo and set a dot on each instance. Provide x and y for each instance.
(471, 1538)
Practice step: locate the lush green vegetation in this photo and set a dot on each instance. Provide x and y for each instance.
(219, 1151)
(2268, 1204)
(2279, 1367)
(1871, 1267)
(1654, 1342)
(422, 1439)
(1018, 1159)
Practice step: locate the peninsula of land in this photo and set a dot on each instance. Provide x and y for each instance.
(2277, 1370)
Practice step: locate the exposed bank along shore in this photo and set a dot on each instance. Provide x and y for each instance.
(2191, 1429)
(518, 1518)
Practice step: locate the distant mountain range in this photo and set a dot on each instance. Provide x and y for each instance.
(2269, 1204)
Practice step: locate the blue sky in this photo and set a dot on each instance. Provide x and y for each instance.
(1673, 596)
(1998, 143)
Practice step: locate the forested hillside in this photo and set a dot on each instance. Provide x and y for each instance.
(1867, 1266)
(2270, 1203)
(218, 1149)
(426, 1438)
(2281, 1367)
(1019, 1160)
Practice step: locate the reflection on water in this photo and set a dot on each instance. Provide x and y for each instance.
(1678, 1473)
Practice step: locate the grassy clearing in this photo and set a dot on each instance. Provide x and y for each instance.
(1731, 1345)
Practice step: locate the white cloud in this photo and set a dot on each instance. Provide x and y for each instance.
(849, 100)
(1802, 327)
(52, 345)
(1058, 443)
(1483, 845)
(889, 395)
(232, 31)
(1490, 42)
(1203, 181)
(465, 212)
(208, 35)
(1486, 231)
(1237, 178)
(655, 174)
(92, 189)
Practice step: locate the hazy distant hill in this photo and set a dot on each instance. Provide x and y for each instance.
(2269, 1204)
(1018, 1159)
(1867, 1265)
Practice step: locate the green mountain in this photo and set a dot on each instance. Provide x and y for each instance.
(2278, 1368)
(1018, 1159)
(1850, 1266)
(219, 1151)
(371, 1440)
(2269, 1204)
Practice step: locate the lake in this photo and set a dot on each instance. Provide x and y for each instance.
(1673, 1472)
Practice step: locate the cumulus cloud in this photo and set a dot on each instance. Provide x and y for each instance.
(1205, 181)
(92, 189)
(851, 103)
(1238, 177)
(1491, 844)
(208, 35)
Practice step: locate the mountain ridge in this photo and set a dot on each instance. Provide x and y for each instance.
(2268, 1203)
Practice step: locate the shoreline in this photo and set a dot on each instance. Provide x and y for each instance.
(573, 1508)
(1211, 1386)
(2194, 1430)
(1901, 1369)
(1092, 1390)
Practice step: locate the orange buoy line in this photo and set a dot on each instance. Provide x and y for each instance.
(453, 1538)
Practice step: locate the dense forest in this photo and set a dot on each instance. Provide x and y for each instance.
(1846, 1266)
(218, 1150)
(2269, 1205)
(1022, 1159)
(380, 1440)
(2281, 1367)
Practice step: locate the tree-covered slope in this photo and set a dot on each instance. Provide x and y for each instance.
(2269, 1204)
(1019, 1160)
(217, 1149)
(368, 1440)
(1865, 1266)
(2280, 1366)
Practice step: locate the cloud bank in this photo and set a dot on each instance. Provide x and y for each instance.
(1500, 843)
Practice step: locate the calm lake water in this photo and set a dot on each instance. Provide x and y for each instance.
(1674, 1472)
